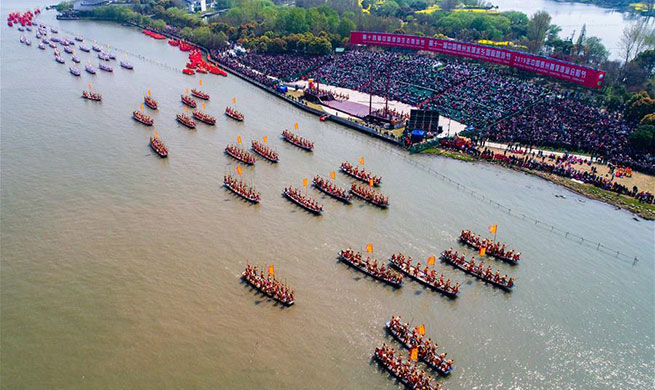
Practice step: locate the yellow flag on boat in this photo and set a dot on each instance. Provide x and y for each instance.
(295, 125)
(200, 81)
(369, 248)
(187, 91)
(239, 170)
(493, 229)
(370, 182)
(141, 106)
(148, 92)
(203, 106)
(361, 160)
(483, 251)
(186, 109)
(89, 85)
(431, 260)
(271, 270)
(156, 134)
(421, 329)
(265, 139)
(238, 139)
(304, 182)
(332, 175)
(234, 100)
(413, 354)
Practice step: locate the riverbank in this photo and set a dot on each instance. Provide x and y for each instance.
(643, 210)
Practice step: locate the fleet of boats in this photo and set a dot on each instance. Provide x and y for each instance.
(298, 140)
(240, 154)
(302, 200)
(242, 189)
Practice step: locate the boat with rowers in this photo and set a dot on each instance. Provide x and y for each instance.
(407, 372)
(84, 48)
(91, 96)
(369, 195)
(158, 146)
(53, 30)
(79, 39)
(476, 270)
(353, 171)
(68, 49)
(265, 151)
(242, 189)
(126, 65)
(28, 42)
(425, 277)
(150, 102)
(199, 94)
(103, 56)
(298, 141)
(143, 118)
(75, 59)
(268, 285)
(96, 48)
(240, 154)
(381, 273)
(189, 72)
(90, 69)
(492, 248)
(106, 68)
(59, 59)
(234, 114)
(186, 99)
(186, 121)
(302, 200)
(330, 188)
(426, 348)
(41, 46)
(203, 117)
(74, 71)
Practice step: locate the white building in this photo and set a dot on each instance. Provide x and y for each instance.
(200, 5)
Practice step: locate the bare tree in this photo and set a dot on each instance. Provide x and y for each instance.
(635, 39)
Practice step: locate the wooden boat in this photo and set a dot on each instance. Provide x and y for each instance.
(186, 99)
(59, 59)
(240, 154)
(264, 151)
(505, 286)
(369, 195)
(96, 48)
(234, 114)
(74, 71)
(241, 188)
(127, 65)
(158, 146)
(186, 121)
(199, 94)
(143, 118)
(92, 96)
(68, 49)
(41, 46)
(106, 68)
(90, 69)
(309, 204)
(326, 186)
(203, 117)
(402, 379)
(189, 72)
(395, 281)
(79, 39)
(84, 48)
(435, 365)
(298, 141)
(258, 283)
(358, 174)
(150, 102)
(509, 259)
(422, 277)
(75, 59)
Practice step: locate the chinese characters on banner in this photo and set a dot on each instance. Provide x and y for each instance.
(563, 70)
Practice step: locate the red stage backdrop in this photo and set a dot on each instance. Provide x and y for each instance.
(589, 77)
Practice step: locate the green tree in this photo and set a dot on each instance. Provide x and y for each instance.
(537, 30)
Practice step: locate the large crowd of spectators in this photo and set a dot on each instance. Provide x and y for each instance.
(506, 108)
